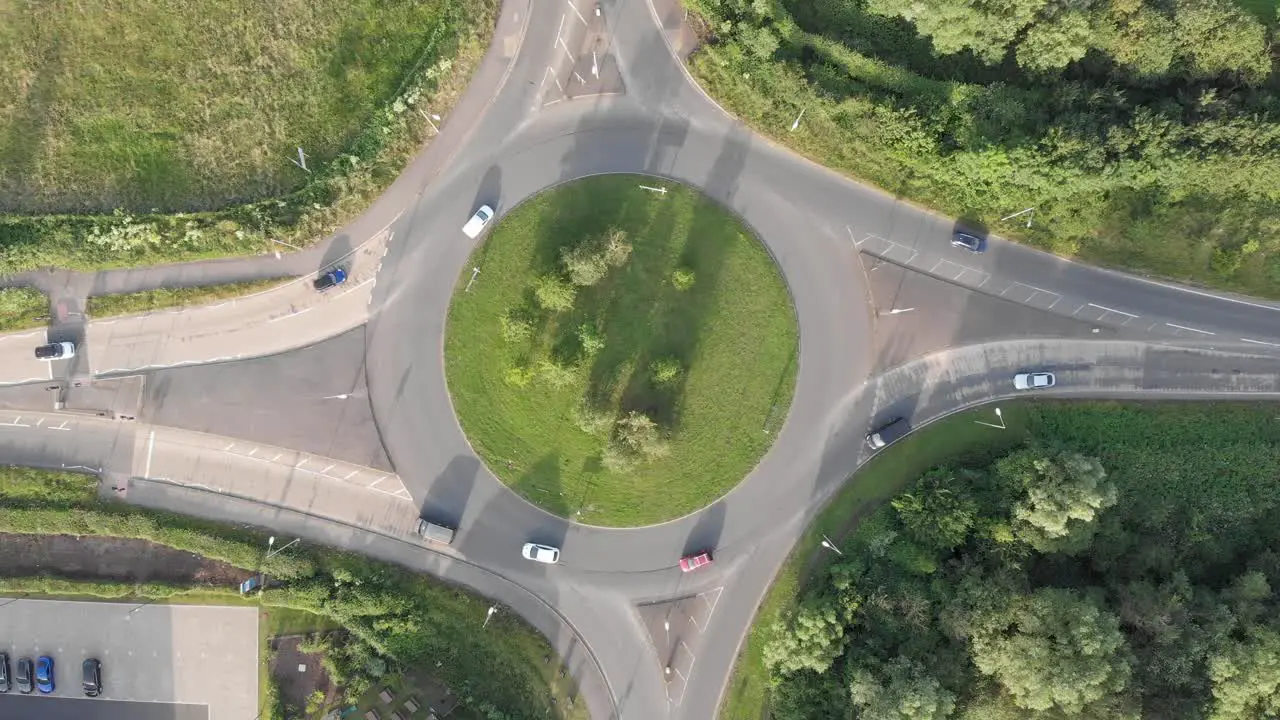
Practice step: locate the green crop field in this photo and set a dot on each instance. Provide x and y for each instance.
(191, 104)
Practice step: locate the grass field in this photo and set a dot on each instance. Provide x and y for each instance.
(747, 693)
(100, 306)
(22, 308)
(189, 104)
(733, 334)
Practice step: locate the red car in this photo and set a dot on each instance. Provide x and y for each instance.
(693, 562)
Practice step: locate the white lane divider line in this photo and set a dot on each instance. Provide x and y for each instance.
(353, 474)
(327, 469)
(300, 463)
(1260, 342)
(277, 457)
(1106, 309)
(253, 452)
(575, 12)
(151, 446)
(1190, 329)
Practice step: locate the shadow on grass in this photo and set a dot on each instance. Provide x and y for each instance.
(682, 315)
(541, 485)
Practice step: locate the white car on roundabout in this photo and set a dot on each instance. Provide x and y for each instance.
(477, 222)
(544, 554)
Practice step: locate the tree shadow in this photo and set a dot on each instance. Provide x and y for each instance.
(541, 484)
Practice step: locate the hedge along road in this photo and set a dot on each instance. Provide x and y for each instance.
(694, 330)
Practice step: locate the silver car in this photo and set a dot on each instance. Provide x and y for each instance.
(1034, 381)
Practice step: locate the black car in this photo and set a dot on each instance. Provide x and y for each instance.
(4, 672)
(92, 677)
(972, 243)
(25, 670)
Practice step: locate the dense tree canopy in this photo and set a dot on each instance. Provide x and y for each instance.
(1038, 585)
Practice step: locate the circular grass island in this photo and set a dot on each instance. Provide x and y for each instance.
(623, 356)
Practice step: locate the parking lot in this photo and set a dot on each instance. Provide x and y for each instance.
(159, 662)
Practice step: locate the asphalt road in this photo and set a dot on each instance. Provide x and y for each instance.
(978, 319)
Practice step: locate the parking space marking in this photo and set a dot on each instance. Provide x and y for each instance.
(575, 12)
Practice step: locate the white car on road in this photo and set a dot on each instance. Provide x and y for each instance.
(1034, 381)
(477, 222)
(541, 553)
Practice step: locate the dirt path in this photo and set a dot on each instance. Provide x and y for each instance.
(102, 558)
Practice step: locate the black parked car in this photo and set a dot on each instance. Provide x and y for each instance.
(25, 670)
(4, 672)
(92, 677)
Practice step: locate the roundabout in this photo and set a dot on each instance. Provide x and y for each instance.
(645, 386)
(872, 336)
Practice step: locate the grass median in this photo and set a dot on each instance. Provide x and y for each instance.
(621, 354)
(100, 306)
(22, 308)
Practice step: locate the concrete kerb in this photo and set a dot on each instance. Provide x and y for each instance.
(509, 583)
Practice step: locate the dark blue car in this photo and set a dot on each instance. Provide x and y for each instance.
(333, 278)
(968, 241)
(44, 674)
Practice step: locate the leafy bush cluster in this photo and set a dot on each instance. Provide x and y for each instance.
(1043, 587)
(1144, 133)
(633, 436)
(335, 191)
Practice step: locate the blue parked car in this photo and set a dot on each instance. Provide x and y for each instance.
(44, 674)
(333, 278)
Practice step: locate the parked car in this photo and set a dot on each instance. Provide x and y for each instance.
(435, 532)
(1034, 381)
(477, 222)
(56, 351)
(541, 553)
(887, 433)
(690, 563)
(4, 673)
(969, 242)
(23, 676)
(92, 683)
(333, 278)
(44, 674)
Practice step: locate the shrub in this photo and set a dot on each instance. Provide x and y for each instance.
(584, 265)
(682, 278)
(518, 377)
(592, 421)
(590, 340)
(515, 328)
(664, 372)
(553, 293)
(555, 375)
(638, 433)
(616, 248)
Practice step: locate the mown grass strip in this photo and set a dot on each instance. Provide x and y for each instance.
(100, 306)
(22, 308)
